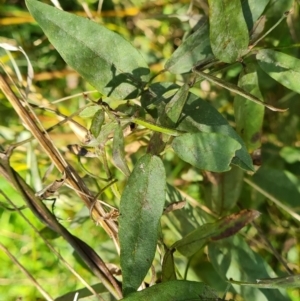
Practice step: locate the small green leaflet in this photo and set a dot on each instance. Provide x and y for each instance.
(97, 123)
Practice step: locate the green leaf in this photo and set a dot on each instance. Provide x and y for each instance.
(102, 57)
(249, 116)
(157, 96)
(177, 290)
(186, 219)
(193, 50)
(89, 112)
(97, 123)
(286, 189)
(223, 190)
(223, 228)
(252, 10)
(229, 35)
(118, 155)
(197, 115)
(282, 67)
(168, 272)
(233, 258)
(49, 234)
(208, 151)
(106, 130)
(290, 154)
(175, 106)
(141, 207)
(291, 281)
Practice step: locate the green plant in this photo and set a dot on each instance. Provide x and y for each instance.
(174, 123)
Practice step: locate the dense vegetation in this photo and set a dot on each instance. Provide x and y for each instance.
(150, 145)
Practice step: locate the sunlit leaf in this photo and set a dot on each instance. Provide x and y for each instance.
(102, 57)
(252, 10)
(208, 151)
(229, 35)
(89, 111)
(194, 49)
(141, 207)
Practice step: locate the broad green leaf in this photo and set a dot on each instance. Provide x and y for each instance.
(229, 35)
(248, 115)
(291, 281)
(223, 190)
(208, 151)
(193, 50)
(97, 123)
(197, 115)
(200, 115)
(141, 207)
(89, 112)
(118, 154)
(102, 57)
(168, 272)
(233, 258)
(176, 290)
(252, 10)
(286, 189)
(220, 229)
(175, 106)
(280, 66)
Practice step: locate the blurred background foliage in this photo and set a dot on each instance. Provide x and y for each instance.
(156, 28)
